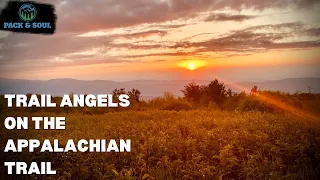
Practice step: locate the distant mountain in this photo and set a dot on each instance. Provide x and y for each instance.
(149, 88)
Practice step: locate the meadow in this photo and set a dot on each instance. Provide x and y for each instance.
(209, 133)
(193, 144)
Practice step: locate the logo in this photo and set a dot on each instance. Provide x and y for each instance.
(28, 17)
(27, 12)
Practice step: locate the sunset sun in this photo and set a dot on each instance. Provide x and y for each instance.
(192, 65)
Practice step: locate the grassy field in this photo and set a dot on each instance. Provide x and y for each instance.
(196, 144)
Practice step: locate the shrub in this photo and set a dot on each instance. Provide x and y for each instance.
(177, 106)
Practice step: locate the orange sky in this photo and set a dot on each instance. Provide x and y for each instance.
(139, 39)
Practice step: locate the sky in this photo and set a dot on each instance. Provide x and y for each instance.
(243, 40)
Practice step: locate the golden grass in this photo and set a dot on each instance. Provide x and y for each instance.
(198, 144)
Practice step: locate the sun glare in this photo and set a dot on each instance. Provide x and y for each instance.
(192, 65)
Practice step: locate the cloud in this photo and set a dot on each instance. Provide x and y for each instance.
(312, 32)
(144, 34)
(83, 50)
(201, 34)
(169, 26)
(278, 27)
(228, 17)
(84, 16)
(18, 48)
(253, 40)
(136, 35)
(154, 18)
(42, 47)
(178, 53)
(60, 62)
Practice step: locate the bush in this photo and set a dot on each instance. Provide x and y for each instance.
(252, 104)
(177, 106)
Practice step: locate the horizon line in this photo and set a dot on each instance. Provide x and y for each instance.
(153, 79)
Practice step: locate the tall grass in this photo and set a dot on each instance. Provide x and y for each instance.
(197, 144)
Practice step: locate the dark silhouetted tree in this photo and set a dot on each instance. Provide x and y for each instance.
(192, 92)
(135, 95)
(230, 93)
(216, 93)
(117, 92)
(254, 90)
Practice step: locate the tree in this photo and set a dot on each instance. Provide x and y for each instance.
(168, 96)
(135, 95)
(117, 92)
(254, 90)
(216, 92)
(192, 92)
(230, 93)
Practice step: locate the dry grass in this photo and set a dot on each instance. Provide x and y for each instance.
(197, 144)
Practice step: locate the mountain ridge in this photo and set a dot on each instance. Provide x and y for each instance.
(149, 88)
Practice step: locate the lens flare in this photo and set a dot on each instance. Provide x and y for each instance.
(279, 104)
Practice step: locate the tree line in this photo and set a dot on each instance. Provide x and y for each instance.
(214, 95)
